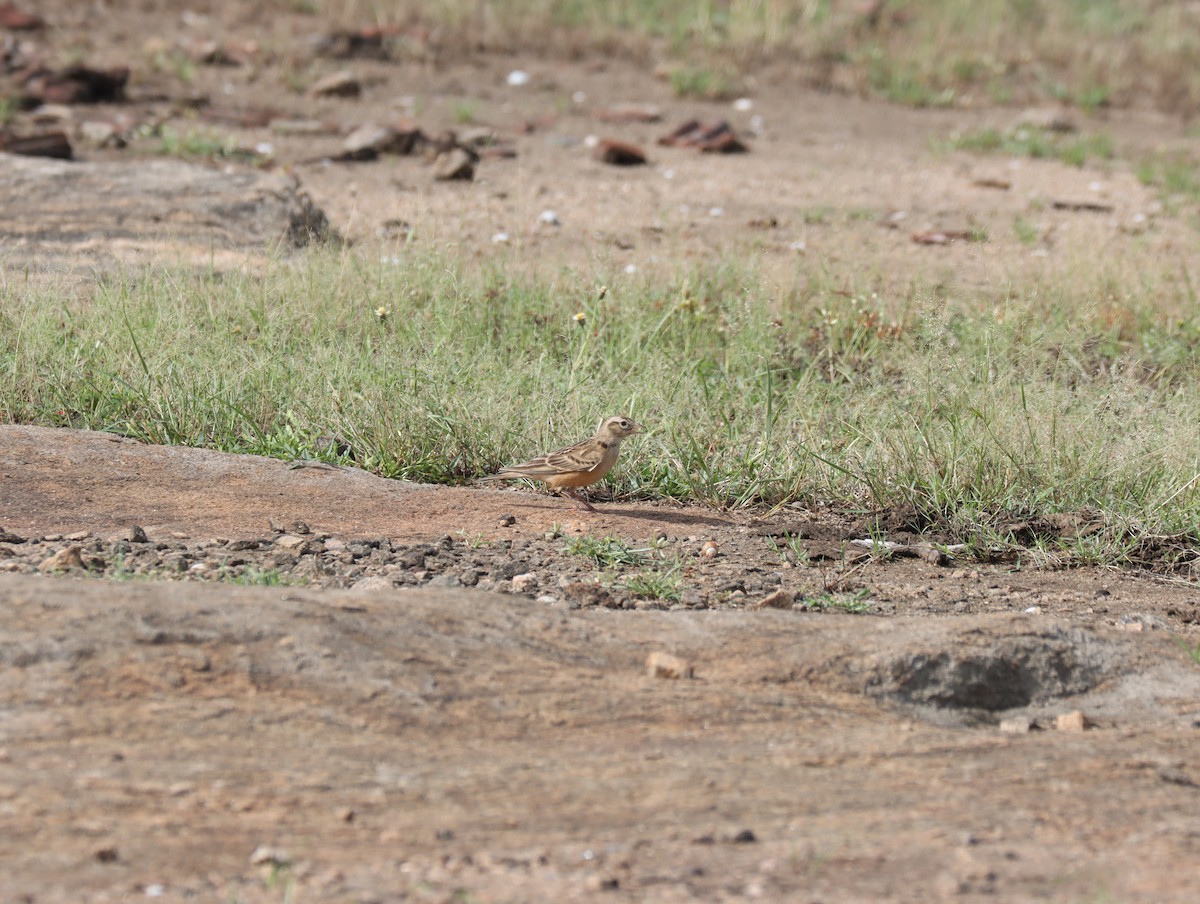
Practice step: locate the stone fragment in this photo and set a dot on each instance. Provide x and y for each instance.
(16, 19)
(667, 665)
(779, 599)
(9, 537)
(524, 583)
(342, 83)
(454, 164)
(52, 115)
(272, 856)
(67, 559)
(53, 144)
(587, 594)
(619, 153)
(134, 534)
(1016, 725)
(76, 84)
(101, 134)
(370, 141)
(709, 138)
(1074, 722)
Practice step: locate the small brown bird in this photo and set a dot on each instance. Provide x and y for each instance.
(579, 465)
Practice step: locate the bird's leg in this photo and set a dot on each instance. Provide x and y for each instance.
(574, 494)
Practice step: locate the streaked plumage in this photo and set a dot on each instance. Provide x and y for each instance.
(579, 465)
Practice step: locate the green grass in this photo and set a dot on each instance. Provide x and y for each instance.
(704, 83)
(608, 552)
(190, 144)
(973, 407)
(1038, 143)
(663, 584)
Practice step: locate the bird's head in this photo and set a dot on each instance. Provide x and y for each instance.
(618, 427)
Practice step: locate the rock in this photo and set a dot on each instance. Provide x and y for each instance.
(106, 853)
(369, 141)
(67, 559)
(152, 206)
(243, 545)
(454, 164)
(291, 542)
(596, 882)
(524, 583)
(45, 144)
(76, 84)
(134, 534)
(584, 594)
(1073, 722)
(53, 115)
(507, 520)
(101, 134)
(477, 137)
(1016, 725)
(266, 855)
(709, 138)
(780, 599)
(8, 537)
(15, 19)
(342, 83)
(619, 153)
(666, 665)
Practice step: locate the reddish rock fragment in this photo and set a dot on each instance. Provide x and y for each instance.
(15, 19)
(47, 144)
(619, 153)
(709, 138)
(74, 85)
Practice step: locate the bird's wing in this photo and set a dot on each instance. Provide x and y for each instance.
(581, 457)
(585, 456)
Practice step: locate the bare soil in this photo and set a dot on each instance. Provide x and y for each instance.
(380, 728)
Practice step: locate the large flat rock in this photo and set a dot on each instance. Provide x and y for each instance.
(143, 210)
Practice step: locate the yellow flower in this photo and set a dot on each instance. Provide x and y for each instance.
(580, 317)
(382, 312)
